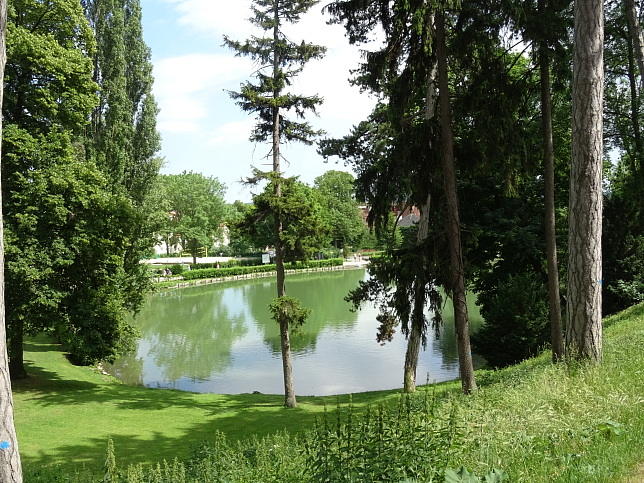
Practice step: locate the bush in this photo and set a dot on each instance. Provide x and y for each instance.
(236, 271)
(516, 316)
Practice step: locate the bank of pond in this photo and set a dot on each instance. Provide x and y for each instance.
(221, 339)
(534, 422)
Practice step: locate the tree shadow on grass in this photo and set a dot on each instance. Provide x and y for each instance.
(72, 411)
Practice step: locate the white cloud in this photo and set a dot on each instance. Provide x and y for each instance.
(185, 87)
(214, 17)
(232, 133)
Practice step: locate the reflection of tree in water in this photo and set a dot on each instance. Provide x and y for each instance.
(446, 342)
(322, 292)
(128, 368)
(191, 332)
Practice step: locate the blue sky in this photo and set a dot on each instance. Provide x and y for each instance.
(202, 128)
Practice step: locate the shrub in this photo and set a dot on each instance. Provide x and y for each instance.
(236, 271)
(516, 319)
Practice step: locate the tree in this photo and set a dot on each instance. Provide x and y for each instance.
(67, 217)
(10, 466)
(48, 96)
(340, 207)
(453, 225)
(197, 209)
(584, 329)
(408, 71)
(623, 263)
(240, 243)
(280, 60)
(554, 296)
(122, 138)
(305, 229)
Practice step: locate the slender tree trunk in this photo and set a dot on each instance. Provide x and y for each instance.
(554, 296)
(635, 29)
(285, 338)
(418, 320)
(10, 467)
(457, 270)
(415, 337)
(413, 347)
(632, 18)
(584, 330)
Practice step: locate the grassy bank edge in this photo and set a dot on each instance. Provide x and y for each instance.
(521, 417)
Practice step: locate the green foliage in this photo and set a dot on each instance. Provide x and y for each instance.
(336, 189)
(279, 60)
(462, 475)
(109, 468)
(234, 271)
(516, 319)
(65, 222)
(287, 310)
(623, 254)
(387, 444)
(196, 209)
(304, 228)
(48, 78)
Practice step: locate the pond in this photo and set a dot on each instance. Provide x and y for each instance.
(220, 338)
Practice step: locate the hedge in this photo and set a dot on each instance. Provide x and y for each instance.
(223, 272)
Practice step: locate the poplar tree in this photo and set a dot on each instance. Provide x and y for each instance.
(279, 61)
(10, 466)
(122, 137)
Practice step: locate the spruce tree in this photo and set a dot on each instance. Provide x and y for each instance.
(280, 60)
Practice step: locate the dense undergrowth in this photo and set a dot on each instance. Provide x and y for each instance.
(534, 422)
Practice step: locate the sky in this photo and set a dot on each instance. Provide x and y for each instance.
(202, 128)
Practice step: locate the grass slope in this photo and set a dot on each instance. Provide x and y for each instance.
(538, 422)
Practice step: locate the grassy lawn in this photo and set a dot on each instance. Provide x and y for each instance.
(64, 414)
(538, 422)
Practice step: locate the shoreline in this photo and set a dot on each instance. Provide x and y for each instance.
(347, 265)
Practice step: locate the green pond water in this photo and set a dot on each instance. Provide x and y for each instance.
(220, 338)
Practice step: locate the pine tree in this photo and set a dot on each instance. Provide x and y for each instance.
(280, 60)
(584, 329)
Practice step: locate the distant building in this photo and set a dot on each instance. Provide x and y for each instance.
(407, 216)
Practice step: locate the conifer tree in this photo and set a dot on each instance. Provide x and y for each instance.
(584, 329)
(280, 60)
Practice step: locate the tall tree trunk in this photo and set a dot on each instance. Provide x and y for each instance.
(285, 338)
(418, 320)
(415, 336)
(554, 296)
(457, 270)
(635, 30)
(10, 467)
(584, 330)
